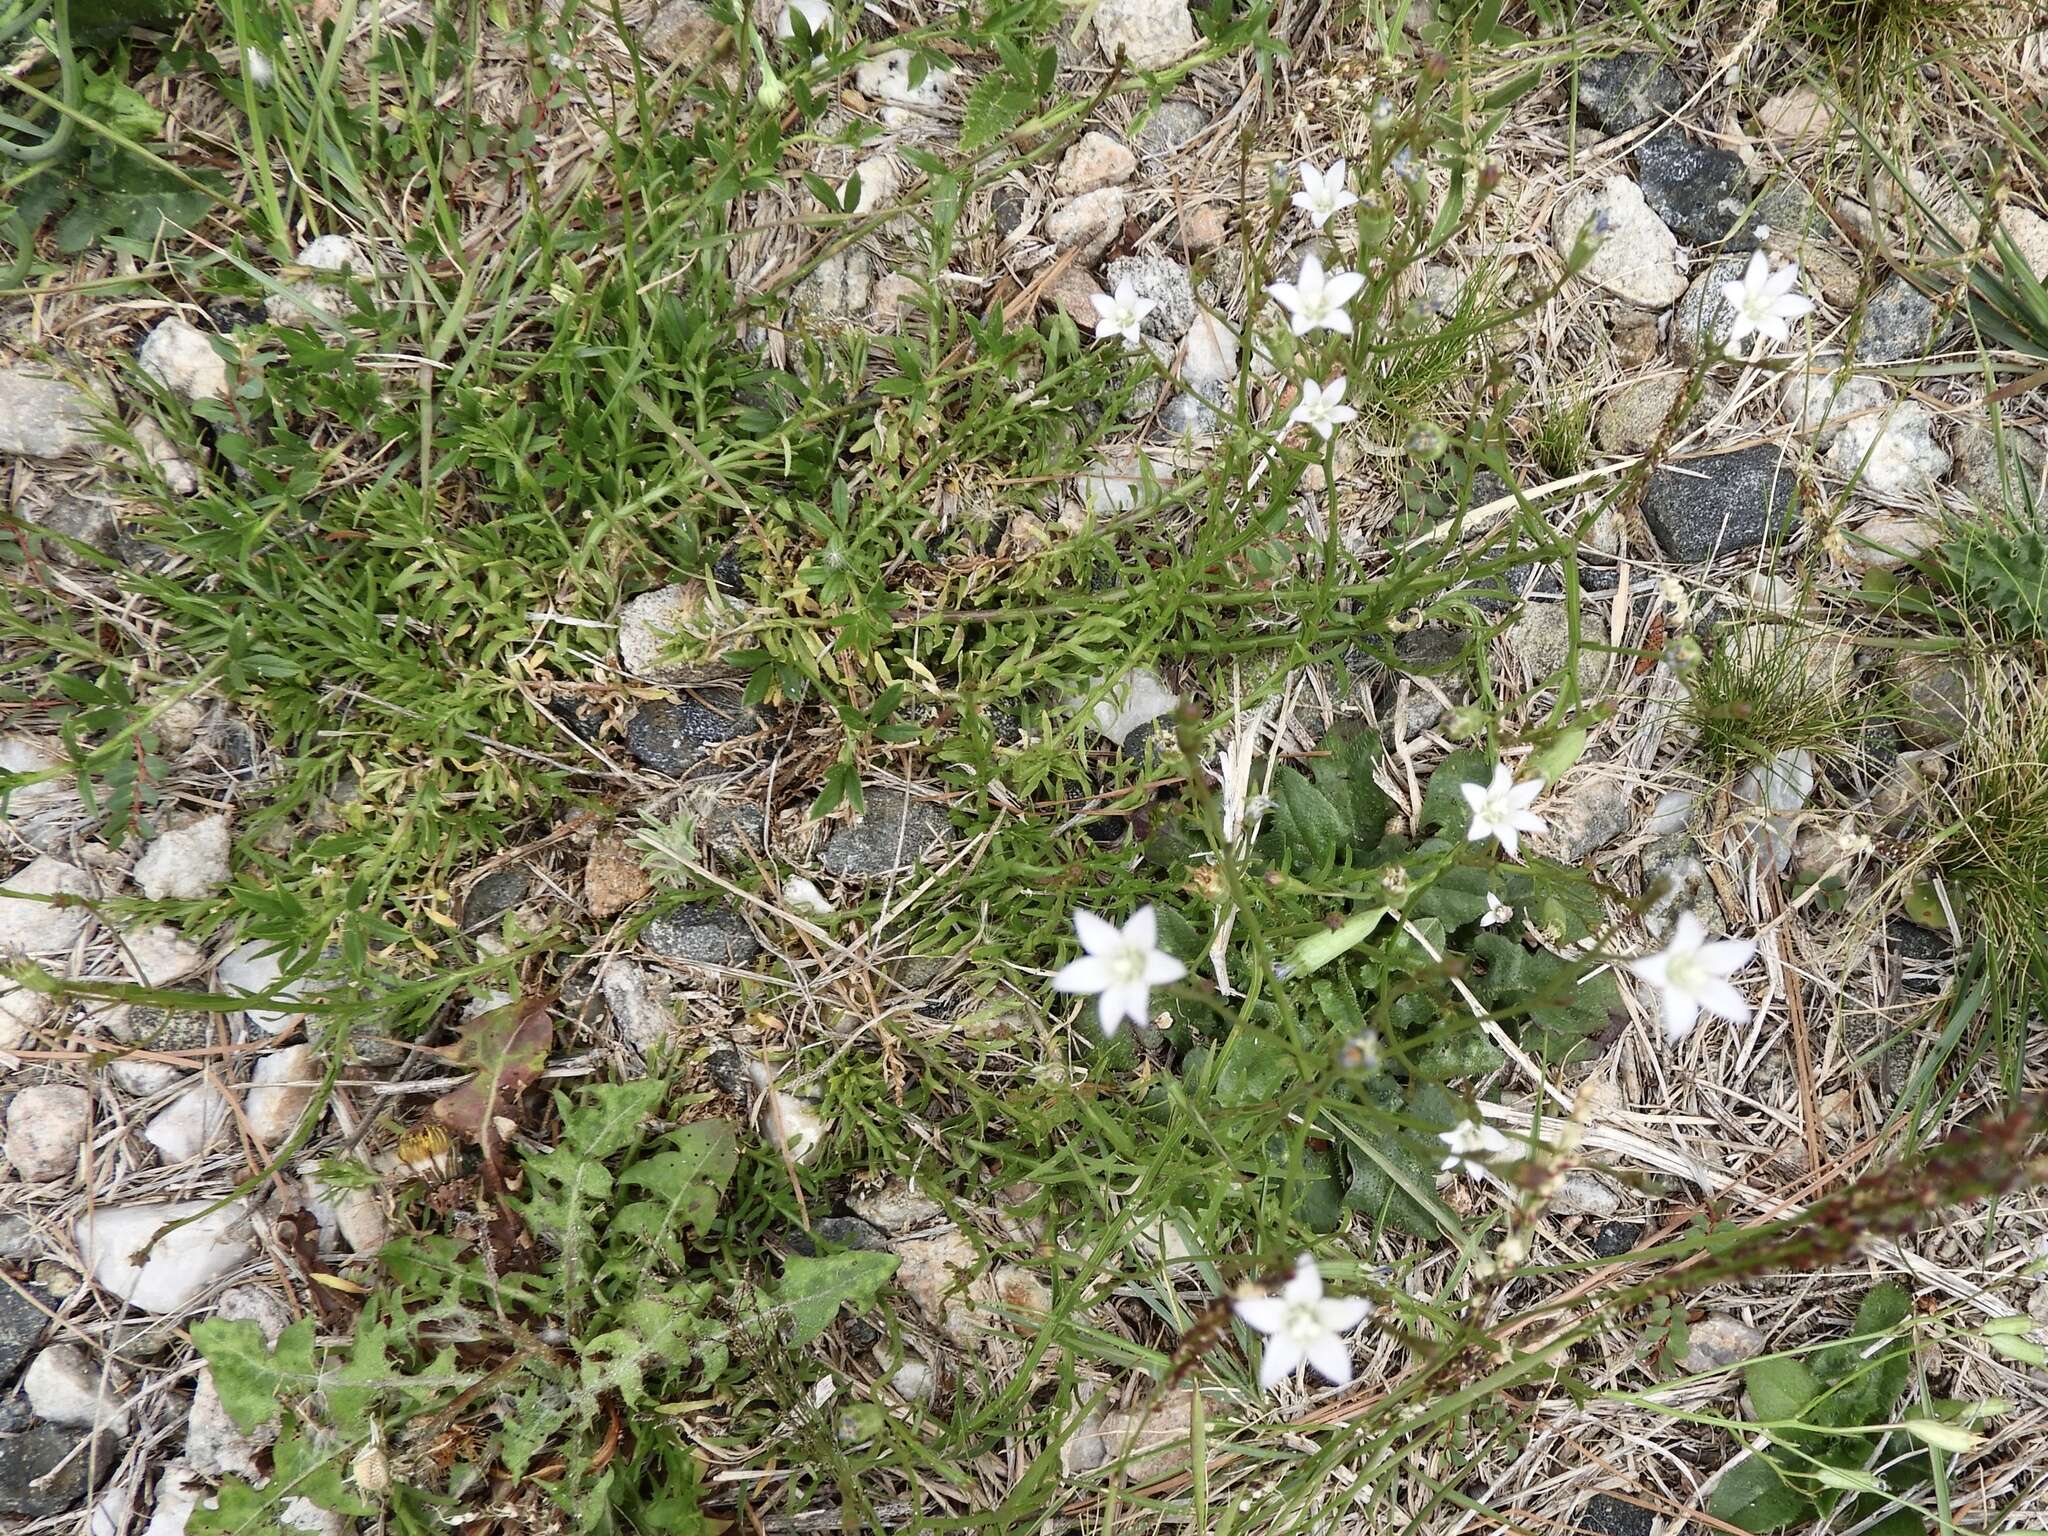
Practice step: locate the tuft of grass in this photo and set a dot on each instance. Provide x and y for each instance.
(1763, 688)
(1562, 436)
(1995, 848)
(1875, 44)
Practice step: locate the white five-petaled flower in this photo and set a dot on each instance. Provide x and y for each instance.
(1691, 972)
(1324, 194)
(1500, 809)
(1122, 313)
(1497, 912)
(1765, 301)
(1321, 409)
(1302, 1324)
(1121, 966)
(1315, 301)
(1473, 1144)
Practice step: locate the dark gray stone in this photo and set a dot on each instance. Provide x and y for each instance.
(495, 895)
(80, 519)
(1939, 699)
(1605, 1515)
(1009, 207)
(1173, 123)
(21, 1324)
(1716, 505)
(727, 1069)
(1897, 324)
(27, 1458)
(702, 935)
(1429, 649)
(1699, 191)
(839, 1232)
(670, 735)
(893, 834)
(1628, 91)
(1703, 320)
(17, 1236)
(1616, 1238)
(735, 833)
(15, 1413)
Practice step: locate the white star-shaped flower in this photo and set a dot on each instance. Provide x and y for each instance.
(1315, 301)
(1497, 912)
(1302, 1324)
(1122, 313)
(1121, 966)
(1764, 301)
(1691, 973)
(1500, 809)
(1321, 409)
(1472, 1145)
(1324, 194)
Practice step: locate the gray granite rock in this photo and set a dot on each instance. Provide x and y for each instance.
(1166, 283)
(1585, 815)
(893, 833)
(1939, 698)
(702, 934)
(2001, 469)
(42, 417)
(1897, 324)
(1174, 122)
(1628, 91)
(1700, 191)
(85, 520)
(670, 735)
(1635, 415)
(1703, 320)
(1719, 504)
(30, 1484)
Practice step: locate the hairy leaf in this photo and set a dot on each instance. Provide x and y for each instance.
(253, 1379)
(814, 1289)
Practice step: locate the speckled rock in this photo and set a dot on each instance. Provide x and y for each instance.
(1636, 257)
(686, 34)
(1897, 324)
(1704, 320)
(670, 735)
(2002, 468)
(1174, 123)
(1890, 453)
(1701, 192)
(1095, 161)
(322, 298)
(42, 417)
(689, 616)
(1164, 281)
(702, 934)
(42, 1472)
(1635, 415)
(1889, 540)
(1716, 1342)
(1627, 91)
(1823, 398)
(1724, 502)
(894, 832)
(1939, 698)
(48, 1126)
(1586, 813)
(1088, 223)
(1149, 34)
(840, 285)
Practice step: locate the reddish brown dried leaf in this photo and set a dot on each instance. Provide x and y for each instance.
(508, 1049)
